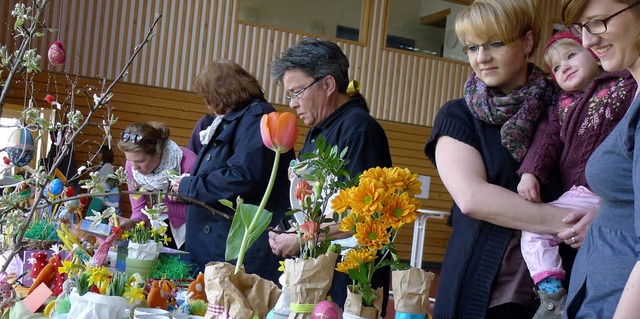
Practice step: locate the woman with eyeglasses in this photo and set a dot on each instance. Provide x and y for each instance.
(605, 282)
(477, 144)
(151, 155)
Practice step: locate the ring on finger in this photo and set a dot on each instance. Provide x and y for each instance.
(573, 239)
(573, 232)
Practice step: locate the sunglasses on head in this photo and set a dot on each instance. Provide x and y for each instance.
(133, 137)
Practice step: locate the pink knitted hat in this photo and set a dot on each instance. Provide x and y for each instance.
(564, 35)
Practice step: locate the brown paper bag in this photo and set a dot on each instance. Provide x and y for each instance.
(238, 295)
(309, 280)
(353, 307)
(411, 290)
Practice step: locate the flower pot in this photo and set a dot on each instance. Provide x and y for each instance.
(237, 295)
(354, 307)
(411, 292)
(143, 267)
(308, 281)
(92, 305)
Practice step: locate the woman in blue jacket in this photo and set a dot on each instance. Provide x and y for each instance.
(233, 162)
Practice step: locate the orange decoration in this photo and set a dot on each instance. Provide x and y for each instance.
(46, 276)
(157, 297)
(197, 287)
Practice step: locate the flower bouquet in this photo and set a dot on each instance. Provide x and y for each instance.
(307, 279)
(373, 211)
(145, 243)
(98, 293)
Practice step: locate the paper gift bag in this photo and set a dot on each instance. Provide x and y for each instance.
(238, 295)
(411, 290)
(354, 309)
(308, 281)
(92, 305)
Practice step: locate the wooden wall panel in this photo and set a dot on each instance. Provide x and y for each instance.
(100, 35)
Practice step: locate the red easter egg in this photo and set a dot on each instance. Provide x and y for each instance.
(56, 53)
(326, 310)
(84, 201)
(6, 160)
(69, 191)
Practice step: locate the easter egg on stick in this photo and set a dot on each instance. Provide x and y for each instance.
(20, 147)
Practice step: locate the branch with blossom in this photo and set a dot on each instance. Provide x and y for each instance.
(76, 122)
(320, 175)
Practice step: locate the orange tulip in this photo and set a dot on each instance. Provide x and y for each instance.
(279, 131)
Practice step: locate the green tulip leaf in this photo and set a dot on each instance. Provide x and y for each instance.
(239, 227)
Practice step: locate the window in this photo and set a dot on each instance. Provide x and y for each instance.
(425, 26)
(314, 17)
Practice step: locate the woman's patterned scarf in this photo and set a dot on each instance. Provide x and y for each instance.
(171, 161)
(518, 112)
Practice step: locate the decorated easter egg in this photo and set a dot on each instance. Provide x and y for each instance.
(55, 188)
(73, 204)
(56, 53)
(326, 310)
(69, 191)
(20, 148)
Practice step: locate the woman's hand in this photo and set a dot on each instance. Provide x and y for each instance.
(175, 186)
(123, 222)
(581, 219)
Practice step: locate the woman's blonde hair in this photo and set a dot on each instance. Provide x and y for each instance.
(504, 20)
(153, 137)
(571, 10)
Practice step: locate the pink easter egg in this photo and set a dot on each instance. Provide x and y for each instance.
(326, 310)
(56, 53)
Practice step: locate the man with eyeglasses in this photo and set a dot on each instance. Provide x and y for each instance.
(315, 76)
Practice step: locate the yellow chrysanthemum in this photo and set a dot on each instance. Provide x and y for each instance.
(367, 197)
(399, 210)
(348, 223)
(372, 234)
(411, 182)
(362, 255)
(342, 201)
(346, 265)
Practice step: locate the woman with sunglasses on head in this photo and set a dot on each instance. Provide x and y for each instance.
(606, 278)
(477, 144)
(151, 155)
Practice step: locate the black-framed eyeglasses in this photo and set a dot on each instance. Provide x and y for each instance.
(296, 96)
(489, 47)
(133, 137)
(596, 26)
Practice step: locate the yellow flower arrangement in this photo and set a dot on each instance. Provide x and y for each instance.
(374, 210)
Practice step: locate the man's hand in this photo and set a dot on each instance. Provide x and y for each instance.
(284, 244)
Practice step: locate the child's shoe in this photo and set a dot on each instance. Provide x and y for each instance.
(551, 305)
